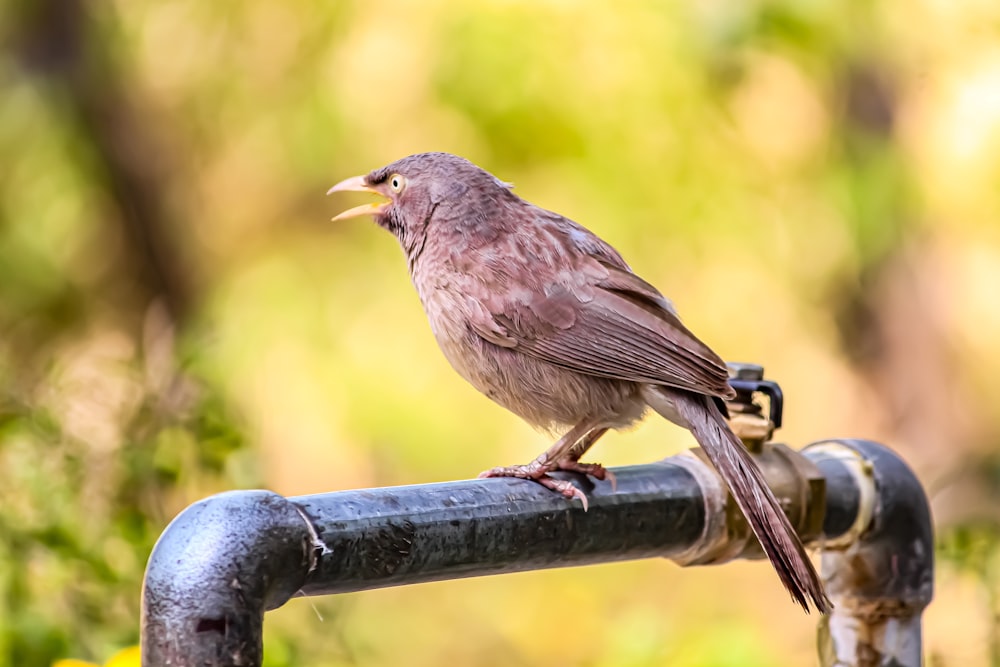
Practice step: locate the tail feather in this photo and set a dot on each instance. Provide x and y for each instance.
(754, 498)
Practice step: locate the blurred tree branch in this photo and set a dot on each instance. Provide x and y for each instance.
(63, 42)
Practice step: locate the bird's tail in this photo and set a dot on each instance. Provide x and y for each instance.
(745, 481)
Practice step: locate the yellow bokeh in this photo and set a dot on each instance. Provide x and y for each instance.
(128, 657)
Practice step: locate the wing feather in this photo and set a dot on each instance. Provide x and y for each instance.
(614, 337)
(585, 310)
(591, 314)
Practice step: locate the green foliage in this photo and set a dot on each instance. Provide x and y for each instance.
(78, 520)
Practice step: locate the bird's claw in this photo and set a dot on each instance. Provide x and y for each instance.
(566, 488)
(540, 475)
(595, 470)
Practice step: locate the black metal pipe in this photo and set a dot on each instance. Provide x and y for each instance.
(225, 560)
(879, 572)
(411, 534)
(214, 571)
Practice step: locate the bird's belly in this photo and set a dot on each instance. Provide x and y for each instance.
(541, 393)
(546, 395)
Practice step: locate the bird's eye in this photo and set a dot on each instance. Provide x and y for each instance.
(397, 183)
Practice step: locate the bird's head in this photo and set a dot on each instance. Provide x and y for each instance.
(420, 187)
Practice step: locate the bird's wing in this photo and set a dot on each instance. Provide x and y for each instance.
(591, 314)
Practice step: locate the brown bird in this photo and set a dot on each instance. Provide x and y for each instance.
(548, 320)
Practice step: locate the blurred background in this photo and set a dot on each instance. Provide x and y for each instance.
(815, 184)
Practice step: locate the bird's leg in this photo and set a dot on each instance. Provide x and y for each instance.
(572, 461)
(563, 455)
(548, 460)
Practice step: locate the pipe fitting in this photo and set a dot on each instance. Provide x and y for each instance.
(878, 566)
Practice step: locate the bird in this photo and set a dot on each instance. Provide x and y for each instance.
(548, 320)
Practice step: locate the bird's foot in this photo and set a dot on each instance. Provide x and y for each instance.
(540, 474)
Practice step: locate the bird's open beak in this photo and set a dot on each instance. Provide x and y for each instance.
(357, 184)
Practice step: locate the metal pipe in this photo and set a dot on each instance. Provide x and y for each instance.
(878, 563)
(214, 571)
(411, 534)
(224, 561)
